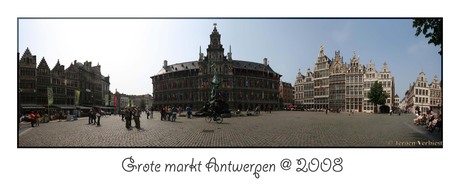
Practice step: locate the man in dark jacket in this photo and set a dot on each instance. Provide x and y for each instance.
(136, 116)
(128, 115)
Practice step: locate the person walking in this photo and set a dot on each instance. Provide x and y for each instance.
(148, 114)
(162, 113)
(169, 112)
(90, 117)
(32, 119)
(136, 116)
(37, 118)
(189, 111)
(128, 118)
(98, 116)
(174, 113)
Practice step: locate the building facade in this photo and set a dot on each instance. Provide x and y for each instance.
(244, 84)
(286, 93)
(27, 91)
(321, 81)
(337, 73)
(339, 86)
(354, 86)
(299, 88)
(422, 96)
(435, 94)
(71, 90)
(383, 77)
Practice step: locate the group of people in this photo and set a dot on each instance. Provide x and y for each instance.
(94, 117)
(132, 113)
(169, 113)
(430, 120)
(34, 118)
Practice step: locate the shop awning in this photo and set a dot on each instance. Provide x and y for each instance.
(83, 107)
(65, 107)
(104, 107)
(31, 106)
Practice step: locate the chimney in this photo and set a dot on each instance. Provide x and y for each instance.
(265, 61)
(165, 64)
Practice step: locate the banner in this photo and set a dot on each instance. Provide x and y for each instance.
(114, 100)
(77, 97)
(106, 99)
(50, 96)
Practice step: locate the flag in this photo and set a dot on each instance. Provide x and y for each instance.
(50, 96)
(77, 97)
(114, 100)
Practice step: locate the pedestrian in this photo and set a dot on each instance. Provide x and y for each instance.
(37, 118)
(148, 114)
(189, 111)
(128, 118)
(162, 113)
(169, 112)
(270, 109)
(94, 116)
(32, 119)
(174, 111)
(326, 111)
(136, 116)
(90, 117)
(98, 115)
(123, 112)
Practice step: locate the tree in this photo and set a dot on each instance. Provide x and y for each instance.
(431, 28)
(377, 96)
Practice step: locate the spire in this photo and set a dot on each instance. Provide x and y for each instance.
(230, 53)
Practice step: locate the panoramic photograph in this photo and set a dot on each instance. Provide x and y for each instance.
(229, 83)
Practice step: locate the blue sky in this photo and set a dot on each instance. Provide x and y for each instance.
(132, 50)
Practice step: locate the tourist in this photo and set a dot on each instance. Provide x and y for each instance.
(174, 111)
(37, 118)
(90, 117)
(189, 111)
(32, 118)
(128, 118)
(169, 112)
(136, 116)
(162, 113)
(98, 115)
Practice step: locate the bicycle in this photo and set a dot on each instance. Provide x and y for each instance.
(209, 116)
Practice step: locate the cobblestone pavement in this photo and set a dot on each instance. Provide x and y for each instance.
(278, 129)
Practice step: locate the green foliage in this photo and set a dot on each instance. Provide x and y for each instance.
(431, 28)
(376, 95)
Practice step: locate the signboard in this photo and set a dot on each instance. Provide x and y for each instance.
(77, 97)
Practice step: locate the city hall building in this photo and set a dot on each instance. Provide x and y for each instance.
(244, 84)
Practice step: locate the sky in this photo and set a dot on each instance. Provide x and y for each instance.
(130, 51)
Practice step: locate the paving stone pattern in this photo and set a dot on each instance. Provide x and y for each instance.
(278, 129)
